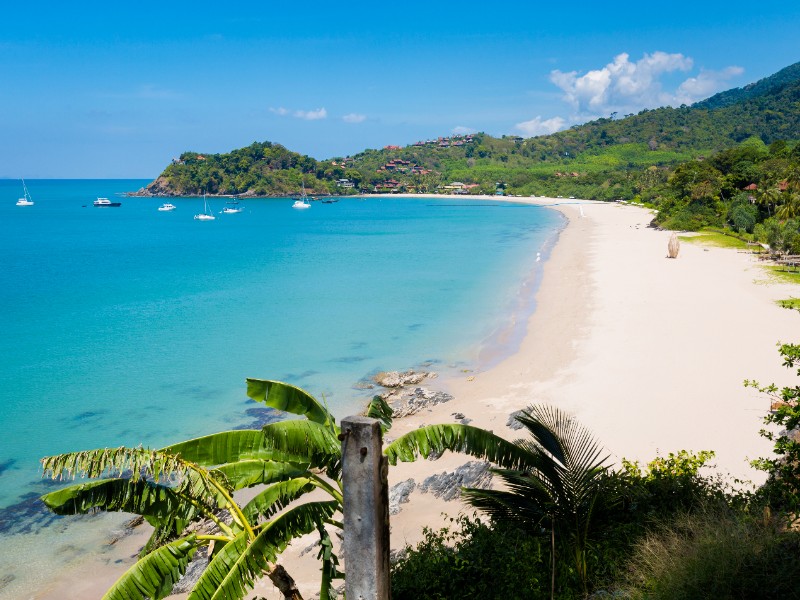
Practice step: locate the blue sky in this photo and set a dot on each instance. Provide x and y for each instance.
(91, 89)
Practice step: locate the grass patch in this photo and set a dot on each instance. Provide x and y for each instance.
(793, 303)
(783, 273)
(717, 240)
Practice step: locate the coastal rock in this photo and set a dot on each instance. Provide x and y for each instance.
(399, 493)
(159, 187)
(194, 570)
(395, 379)
(408, 402)
(448, 486)
(512, 422)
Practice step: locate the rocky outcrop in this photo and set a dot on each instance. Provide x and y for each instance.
(512, 422)
(396, 379)
(406, 402)
(474, 474)
(398, 494)
(159, 187)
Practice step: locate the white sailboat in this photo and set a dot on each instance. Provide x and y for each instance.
(303, 201)
(206, 214)
(26, 199)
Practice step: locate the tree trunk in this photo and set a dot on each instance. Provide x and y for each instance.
(284, 582)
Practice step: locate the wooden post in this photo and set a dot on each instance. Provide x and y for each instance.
(366, 510)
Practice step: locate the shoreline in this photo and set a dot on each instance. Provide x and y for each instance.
(649, 353)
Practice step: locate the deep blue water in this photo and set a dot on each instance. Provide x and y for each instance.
(128, 325)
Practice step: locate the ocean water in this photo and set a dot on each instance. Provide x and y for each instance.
(126, 326)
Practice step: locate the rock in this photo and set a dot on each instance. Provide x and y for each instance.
(394, 379)
(512, 420)
(406, 402)
(308, 549)
(448, 485)
(194, 569)
(399, 493)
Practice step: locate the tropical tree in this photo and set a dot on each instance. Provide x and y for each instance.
(552, 480)
(179, 487)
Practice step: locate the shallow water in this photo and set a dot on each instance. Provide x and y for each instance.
(128, 325)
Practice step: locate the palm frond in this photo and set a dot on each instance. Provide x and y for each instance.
(154, 575)
(235, 568)
(247, 473)
(275, 498)
(288, 398)
(458, 438)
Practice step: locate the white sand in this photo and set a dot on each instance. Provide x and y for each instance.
(648, 352)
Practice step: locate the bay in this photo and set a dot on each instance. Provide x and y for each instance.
(127, 326)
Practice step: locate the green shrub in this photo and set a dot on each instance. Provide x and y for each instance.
(716, 555)
(471, 559)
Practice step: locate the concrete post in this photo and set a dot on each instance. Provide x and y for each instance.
(366, 510)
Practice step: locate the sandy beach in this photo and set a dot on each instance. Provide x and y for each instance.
(648, 352)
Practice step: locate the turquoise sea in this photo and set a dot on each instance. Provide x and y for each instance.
(126, 326)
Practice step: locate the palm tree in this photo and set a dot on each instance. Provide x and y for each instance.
(193, 482)
(790, 209)
(552, 480)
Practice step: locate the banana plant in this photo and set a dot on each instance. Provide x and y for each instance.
(180, 486)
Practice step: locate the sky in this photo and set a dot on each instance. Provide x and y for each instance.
(116, 90)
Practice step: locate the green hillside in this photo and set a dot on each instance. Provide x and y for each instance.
(627, 157)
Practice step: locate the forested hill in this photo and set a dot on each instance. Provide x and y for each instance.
(768, 85)
(607, 158)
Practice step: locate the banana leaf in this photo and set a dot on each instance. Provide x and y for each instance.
(154, 576)
(226, 447)
(275, 498)
(288, 398)
(247, 473)
(313, 443)
(235, 568)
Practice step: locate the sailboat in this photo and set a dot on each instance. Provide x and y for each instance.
(26, 199)
(303, 201)
(206, 214)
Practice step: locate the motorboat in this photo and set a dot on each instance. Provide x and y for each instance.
(166, 207)
(26, 199)
(206, 214)
(105, 202)
(232, 208)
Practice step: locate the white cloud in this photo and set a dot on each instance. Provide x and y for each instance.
(621, 84)
(308, 115)
(537, 126)
(311, 115)
(462, 130)
(705, 84)
(354, 118)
